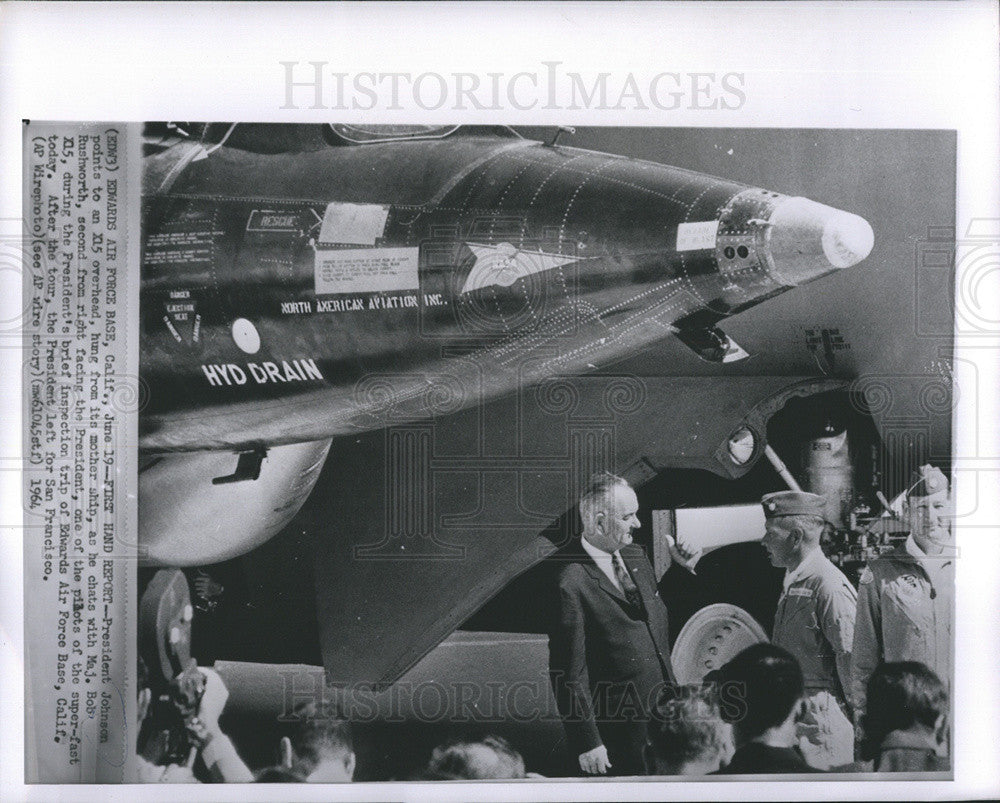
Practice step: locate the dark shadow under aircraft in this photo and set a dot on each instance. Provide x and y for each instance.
(404, 349)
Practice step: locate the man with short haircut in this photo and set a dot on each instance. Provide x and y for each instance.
(687, 735)
(905, 598)
(609, 652)
(814, 621)
(489, 758)
(321, 750)
(761, 695)
(905, 721)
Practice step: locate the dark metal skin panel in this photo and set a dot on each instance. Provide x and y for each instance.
(408, 173)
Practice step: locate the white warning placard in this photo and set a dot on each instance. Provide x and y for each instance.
(353, 224)
(695, 236)
(367, 270)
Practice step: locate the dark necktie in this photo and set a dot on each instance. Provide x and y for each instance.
(626, 582)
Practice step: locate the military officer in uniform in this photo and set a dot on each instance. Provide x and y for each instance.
(814, 621)
(905, 598)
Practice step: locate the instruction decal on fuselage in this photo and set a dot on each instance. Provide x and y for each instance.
(366, 270)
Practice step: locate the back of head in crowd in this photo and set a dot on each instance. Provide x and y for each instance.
(278, 775)
(686, 734)
(321, 750)
(491, 757)
(760, 689)
(904, 696)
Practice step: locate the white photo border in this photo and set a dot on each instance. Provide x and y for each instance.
(809, 64)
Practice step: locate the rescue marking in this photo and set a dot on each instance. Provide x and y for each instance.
(272, 220)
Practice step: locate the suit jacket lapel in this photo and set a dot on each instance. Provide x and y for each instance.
(641, 576)
(601, 577)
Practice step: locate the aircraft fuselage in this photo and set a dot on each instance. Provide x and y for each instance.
(298, 296)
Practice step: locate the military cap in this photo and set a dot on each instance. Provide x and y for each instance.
(793, 503)
(927, 480)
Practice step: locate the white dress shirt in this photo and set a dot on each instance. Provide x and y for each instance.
(603, 560)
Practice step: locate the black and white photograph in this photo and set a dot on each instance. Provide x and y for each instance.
(469, 401)
(474, 452)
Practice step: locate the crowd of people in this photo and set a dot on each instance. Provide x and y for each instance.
(744, 719)
(320, 749)
(747, 718)
(851, 681)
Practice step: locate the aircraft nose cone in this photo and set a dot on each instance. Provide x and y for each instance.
(847, 239)
(807, 240)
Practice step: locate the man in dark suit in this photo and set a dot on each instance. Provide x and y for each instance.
(609, 653)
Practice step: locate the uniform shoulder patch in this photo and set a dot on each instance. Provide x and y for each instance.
(866, 576)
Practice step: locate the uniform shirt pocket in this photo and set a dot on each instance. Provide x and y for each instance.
(802, 602)
(909, 618)
(909, 599)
